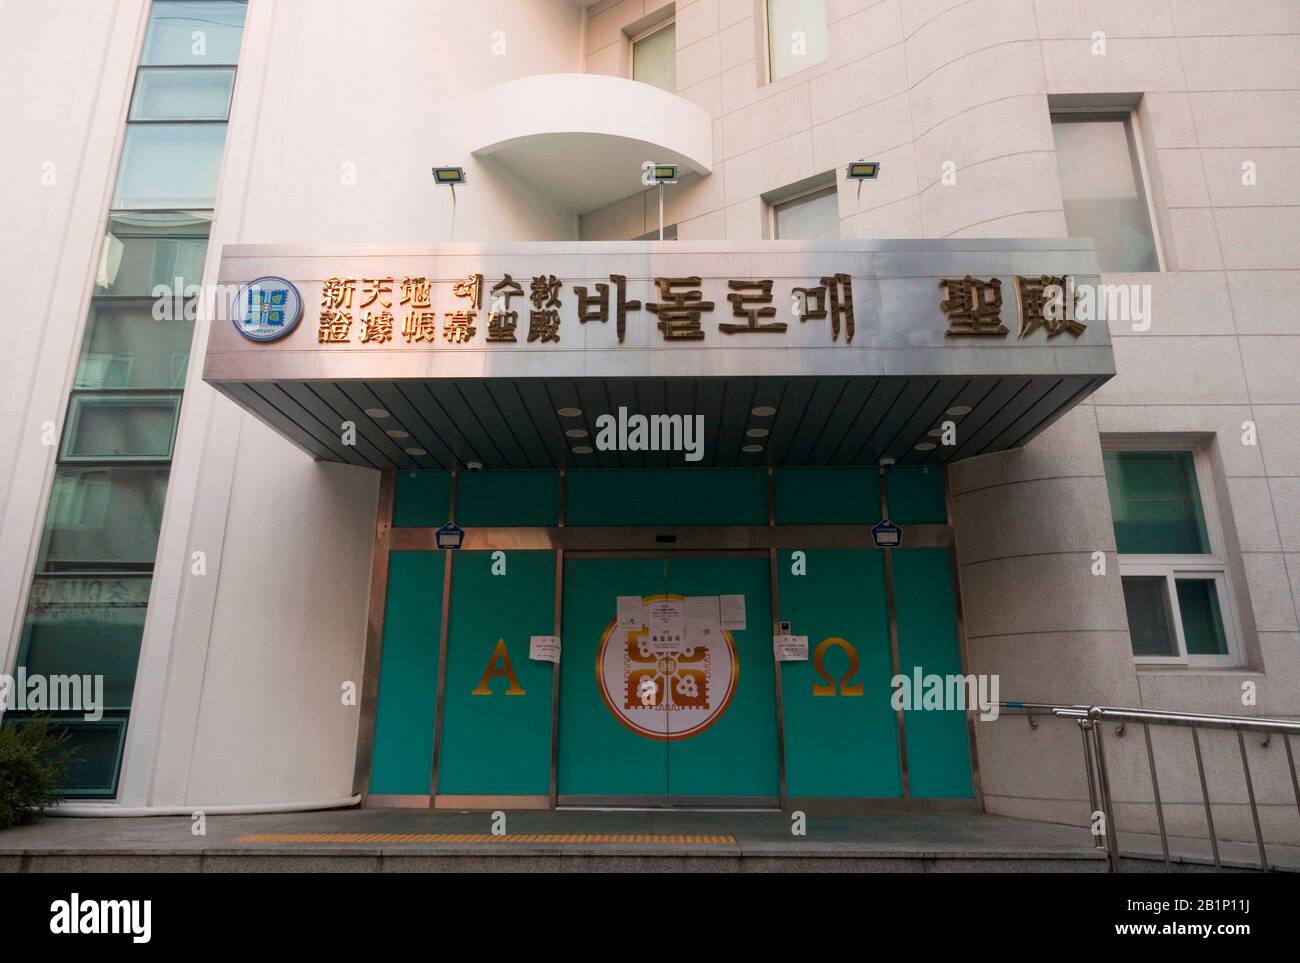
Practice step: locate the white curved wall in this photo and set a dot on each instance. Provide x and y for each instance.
(340, 111)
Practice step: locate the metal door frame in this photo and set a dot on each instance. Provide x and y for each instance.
(645, 541)
(669, 802)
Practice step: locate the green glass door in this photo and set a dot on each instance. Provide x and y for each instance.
(610, 748)
(650, 721)
(722, 739)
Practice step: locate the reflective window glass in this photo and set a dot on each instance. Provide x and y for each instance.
(124, 347)
(195, 32)
(1155, 503)
(797, 35)
(811, 218)
(654, 59)
(103, 518)
(1101, 188)
(169, 166)
(142, 250)
(107, 427)
(164, 93)
(1148, 616)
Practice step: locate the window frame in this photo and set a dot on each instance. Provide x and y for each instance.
(1213, 565)
(800, 197)
(769, 69)
(82, 398)
(635, 39)
(1137, 159)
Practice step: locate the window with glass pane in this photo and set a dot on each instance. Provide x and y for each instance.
(797, 36)
(810, 218)
(194, 32)
(1155, 503)
(1148, 616)
(96, 748)
(142, 250)
(1101, 187)
(654, 59)
(169, 166)
(1175, 586)
(179, 93)
(120, 427)
(124, 347)
(103, 518)
(1198, 603)
(87, 625)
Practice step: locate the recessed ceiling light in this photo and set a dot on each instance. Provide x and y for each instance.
(582, 450)
(751, 449)
(764, 411)
(926, 446)
(935, 432)
(958, 410)
(568, 412)
(397, 433)
(377, 412)
(757, 433)
(577, 432)
(415, 451)
(474, 465)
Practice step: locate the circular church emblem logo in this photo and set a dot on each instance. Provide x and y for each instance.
(663, 683)
(266, 309)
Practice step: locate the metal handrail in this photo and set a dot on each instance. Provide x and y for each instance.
(1090, 719)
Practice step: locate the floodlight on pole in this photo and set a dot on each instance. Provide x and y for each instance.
(450, 176)
(659, 174)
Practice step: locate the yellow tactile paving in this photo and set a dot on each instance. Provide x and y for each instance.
(717, 839)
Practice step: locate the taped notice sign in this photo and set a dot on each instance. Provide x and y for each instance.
(544, 648)
(790, 648)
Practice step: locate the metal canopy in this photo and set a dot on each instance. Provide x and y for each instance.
(515, 424)
(444, 404)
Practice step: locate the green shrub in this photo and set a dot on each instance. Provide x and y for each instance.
(32, 763)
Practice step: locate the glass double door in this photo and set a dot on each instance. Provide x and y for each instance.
(664, 699)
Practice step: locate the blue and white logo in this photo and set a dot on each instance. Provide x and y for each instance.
(266, 309)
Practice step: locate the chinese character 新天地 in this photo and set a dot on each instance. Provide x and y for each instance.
(336, 293)
(417, 292)
(376, 289)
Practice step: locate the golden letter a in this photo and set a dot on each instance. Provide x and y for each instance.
(505, 669)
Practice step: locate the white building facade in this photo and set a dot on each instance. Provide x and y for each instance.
(1136, 544)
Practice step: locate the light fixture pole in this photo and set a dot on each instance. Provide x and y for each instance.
(659, 175)
(860, 171)
(450, 176)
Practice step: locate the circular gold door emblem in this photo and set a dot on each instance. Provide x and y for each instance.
(666, 690)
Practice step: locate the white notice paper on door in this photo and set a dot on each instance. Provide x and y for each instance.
(702, 625)
(544, 648)
(732, 611)
(667, 625)
(629, 613)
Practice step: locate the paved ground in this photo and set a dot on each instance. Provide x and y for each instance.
(419, 840)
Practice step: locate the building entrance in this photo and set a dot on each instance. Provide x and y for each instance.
(666, 700)
(663, 689)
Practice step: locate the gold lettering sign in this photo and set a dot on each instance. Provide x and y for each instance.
(847, 687)
(505, 669)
